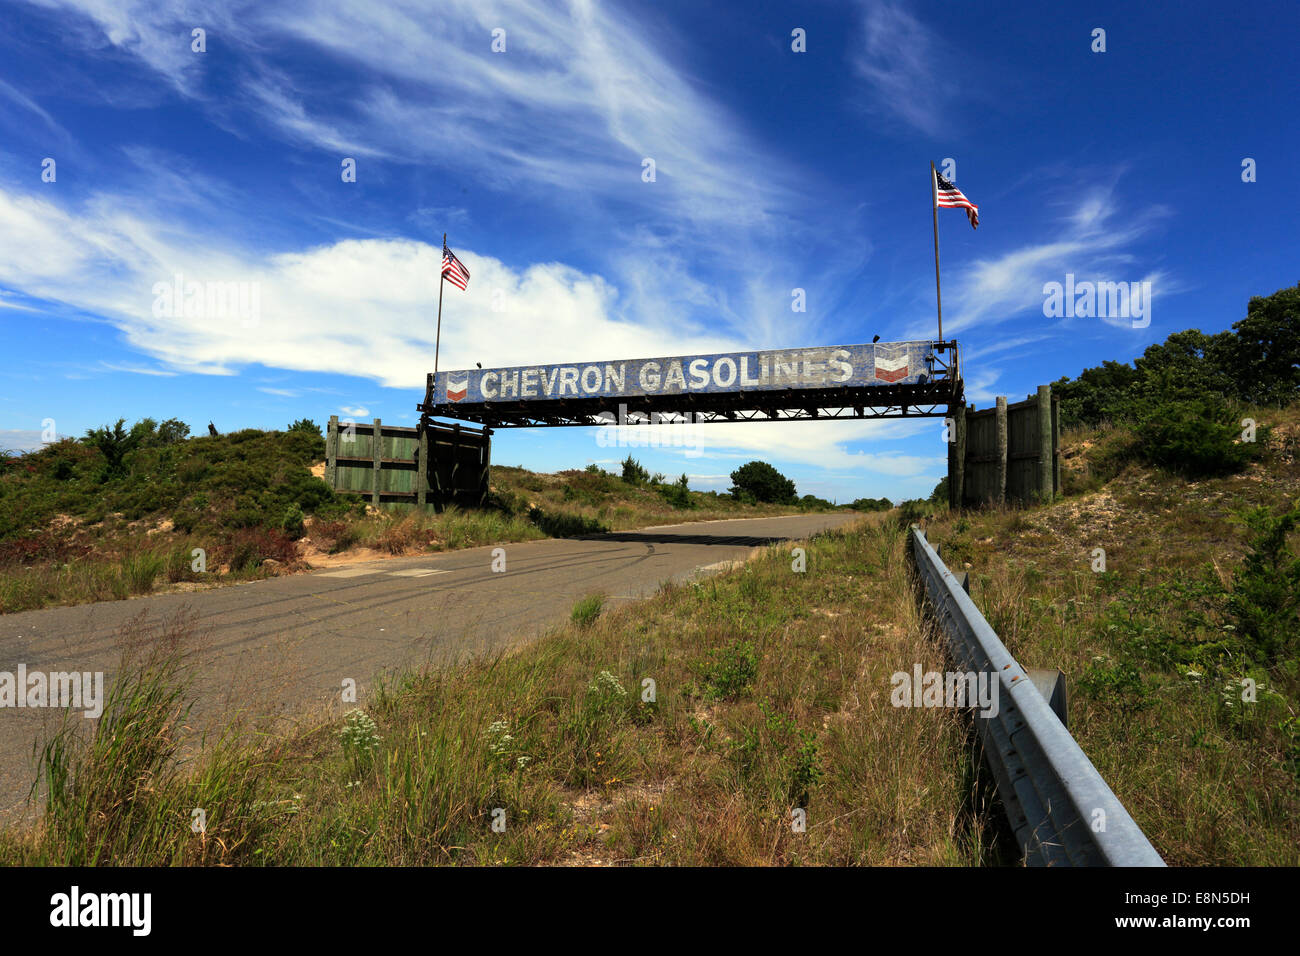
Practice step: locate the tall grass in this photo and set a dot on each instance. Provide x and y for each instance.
(119, 793)
(600, 742)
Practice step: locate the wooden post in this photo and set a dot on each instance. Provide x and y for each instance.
(957, 458)
(455, 458)
(435, 479)
(422, 469)
(1000, 449)
(1045, 456)
(332, 453)
(377, 446)
(1056, 445)
(487, 464)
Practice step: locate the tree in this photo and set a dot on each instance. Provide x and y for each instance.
(173, 430)
(1104, 393)
(116, 443)
(761, 481)
(633, 473)
(872, 504)
(1266, 350)
(305, 425)
(1186, 366)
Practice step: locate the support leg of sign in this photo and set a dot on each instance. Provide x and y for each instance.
(422, 468)
(487, 466)
(434, 470)
(957, 457)
(332, 453)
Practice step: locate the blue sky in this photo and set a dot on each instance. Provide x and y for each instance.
(774, 170)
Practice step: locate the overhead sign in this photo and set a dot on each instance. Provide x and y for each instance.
(845, 366)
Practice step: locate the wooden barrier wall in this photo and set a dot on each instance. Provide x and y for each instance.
(1005, 454)
(437, 464)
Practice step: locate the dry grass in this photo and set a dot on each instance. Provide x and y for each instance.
(771, 694)
(1139, 644)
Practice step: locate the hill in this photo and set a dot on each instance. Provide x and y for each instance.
(129, 511)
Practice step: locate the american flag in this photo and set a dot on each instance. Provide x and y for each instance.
(948, 196)
(453, 270)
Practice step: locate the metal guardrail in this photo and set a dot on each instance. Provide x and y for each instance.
(1060, 808)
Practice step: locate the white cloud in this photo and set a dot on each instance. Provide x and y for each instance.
(1092, 242)
(908, 68)
(20, 440)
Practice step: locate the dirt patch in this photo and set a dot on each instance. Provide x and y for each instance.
(316, 558)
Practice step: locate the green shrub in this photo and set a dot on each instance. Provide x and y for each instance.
(633, 473)
(1194, 438)
(763, 482)
(913, 511)
(677, 494)
(730, 671)
(1265, 598)
(587, 610)
(561, 525)
(872, 504)
(292, 523)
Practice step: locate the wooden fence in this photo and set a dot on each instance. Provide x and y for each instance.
(431, 465)
(1005, 454)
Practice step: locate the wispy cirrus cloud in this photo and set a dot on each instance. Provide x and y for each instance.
(1094, 239)
(907, 67)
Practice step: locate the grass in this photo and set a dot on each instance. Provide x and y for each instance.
(1153, 654)
(587, 610)
(75, 530)
(685, 729)
(697, 726)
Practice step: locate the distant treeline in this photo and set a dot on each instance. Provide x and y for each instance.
(1256, 363)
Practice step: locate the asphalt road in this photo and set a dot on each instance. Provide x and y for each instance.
(284, 646)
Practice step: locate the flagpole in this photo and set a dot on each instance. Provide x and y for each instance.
(934, 208)
(437, 343)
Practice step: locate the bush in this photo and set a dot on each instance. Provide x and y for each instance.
(1195, 438)
(115, 444)
(587, 610)
(293, 524)
(763, 483)
(560, 525)
(633, 473)
(913, 512)
(305, 425)
(1265, 598)
(249, 547)
(677, 494)
(730, 671)
(872, 504)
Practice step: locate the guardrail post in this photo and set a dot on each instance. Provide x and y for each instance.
(1050, 789)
